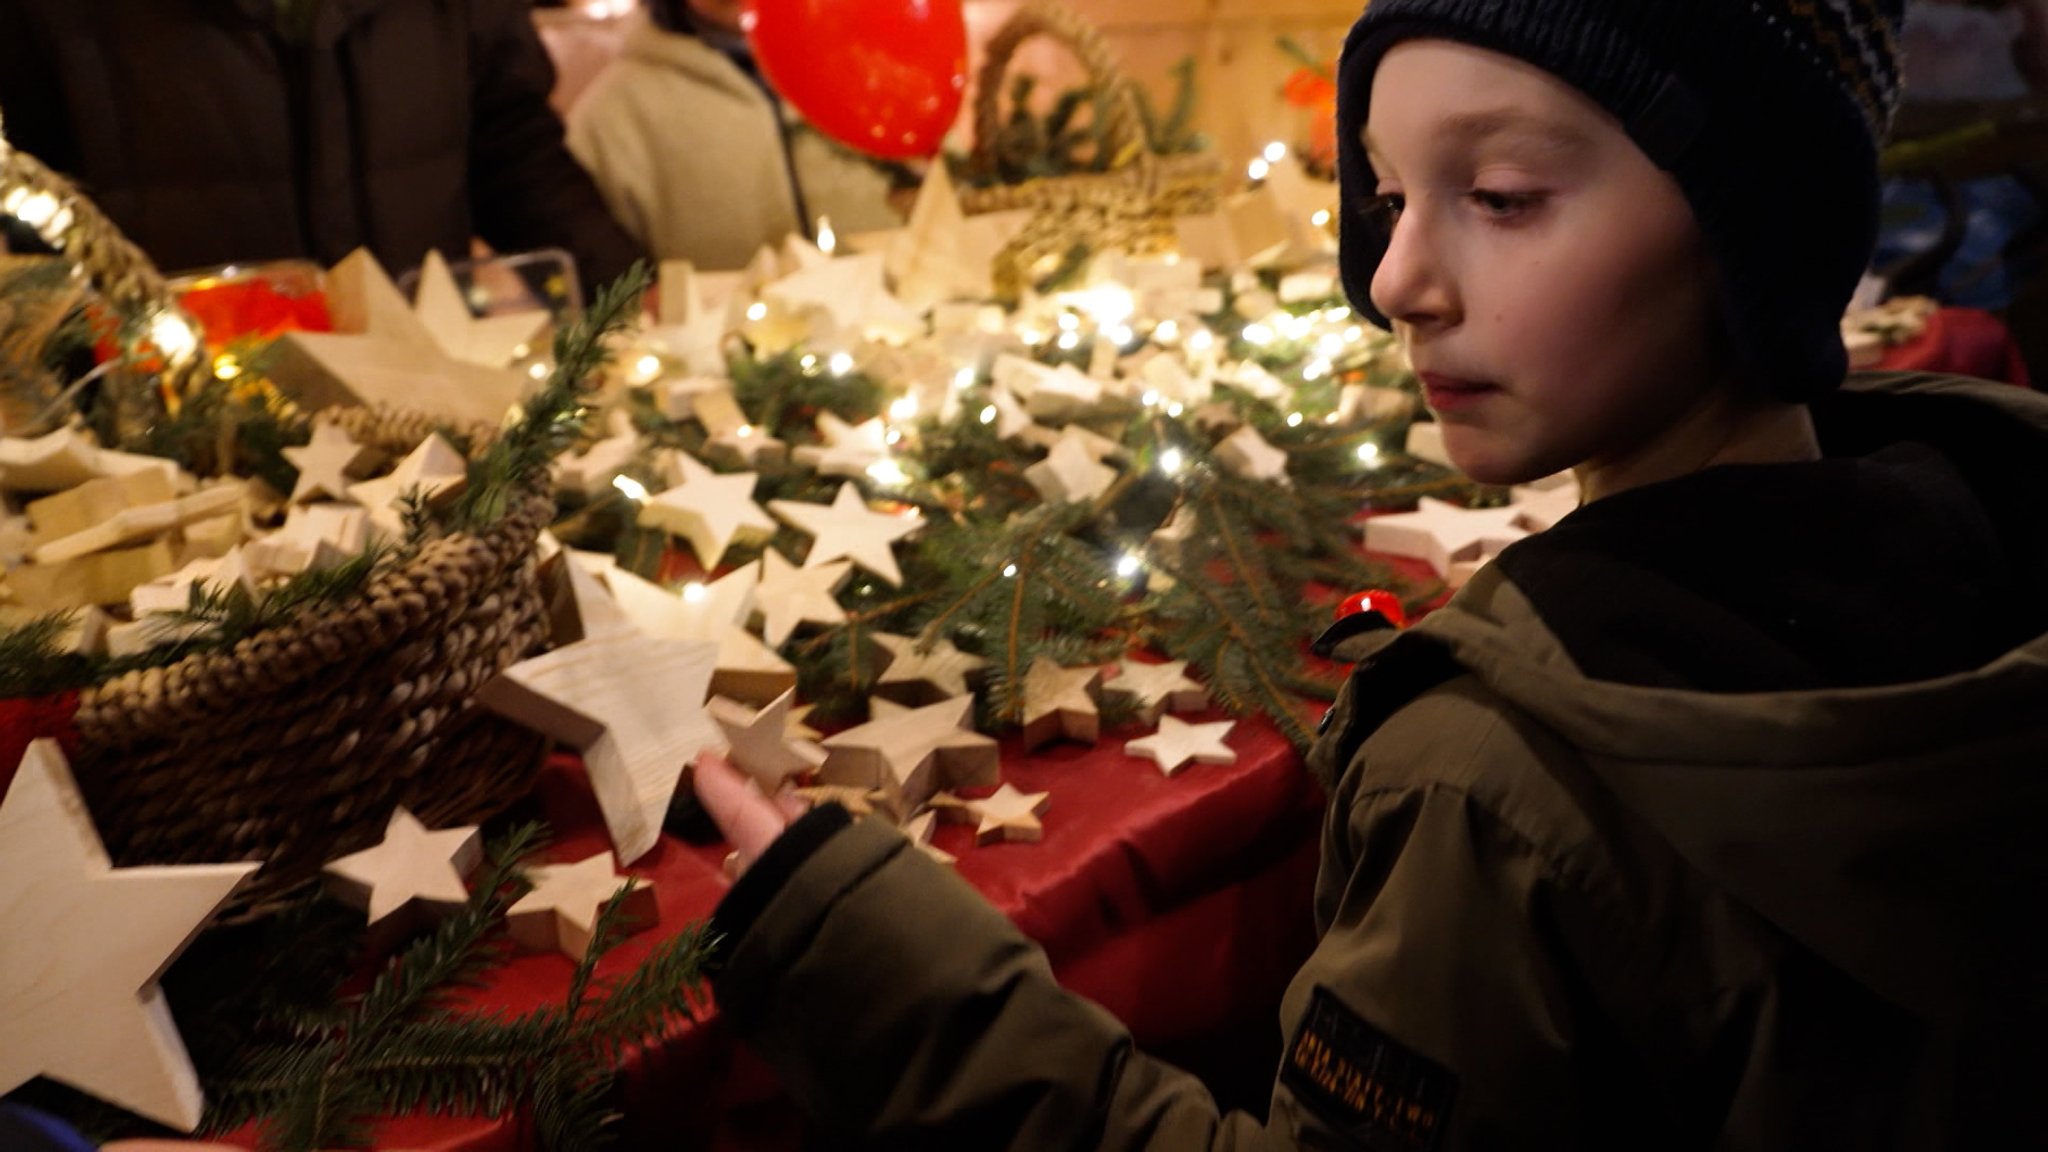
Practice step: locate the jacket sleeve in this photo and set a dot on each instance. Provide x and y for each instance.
(898, 1007)
(527, 191)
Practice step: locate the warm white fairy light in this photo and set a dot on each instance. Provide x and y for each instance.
(633, 489)
(903, 408)
(35, 209)
(1119, 334)
(1151, 398)
(538, 371)
(1069, 322)
(1275, 152)
(841, 363)
(1009, 571)
(1316, 369)
(1175, 409)
(1128, 565)
(964, 378)
(743, 431)
(988, 414)
(828, 240)
(1201, 340)
(1104, 303)
(1294, 419)
(1369, 454)
(1330, 346)
(808, 363)
(1069, 341)
(647, 368)
(1321, 219)
(1258, 334)
(1258, 169)
(1171, 462)
(888, 473)
(694, 592)
(1292, 326)
(226, 367)
(1354, 334)
(521, 351)
(892, 436)
(757, 311)
(1167, 332)
(172, 336)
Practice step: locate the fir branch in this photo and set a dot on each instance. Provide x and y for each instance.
(34, 661)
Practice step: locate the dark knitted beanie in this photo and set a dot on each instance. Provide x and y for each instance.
(1769, 114)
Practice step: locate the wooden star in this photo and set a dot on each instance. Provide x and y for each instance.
(74, 510)
(593, 470)
(1060, 702)
(1012, 419)
(747, 669)
(847, 529)
(493, 341)
(1178, 742)
(380, 354)
(911, 753)
(915, 677)
(852, 292)
(1157, 688)
(435, 469)
(790, 596)
(560, 914)
(579, 604)
(86, 942)
(634, 704)
(313, 536)
(759, 743)
(689, 327)
(943, 253)
(849, 449)
(1009, 815)
(1069, 473)
(326, 463)
(918, 830)
(1443, 533)
(140, 523)
(709, 509)
(1247, 454)
(412, 874)
(48, 463)
(858, 801)
(745, 446)
(1540, 505)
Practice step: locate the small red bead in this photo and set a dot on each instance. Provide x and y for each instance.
(1374, 600)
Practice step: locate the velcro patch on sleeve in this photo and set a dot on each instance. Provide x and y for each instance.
(1363, 1084)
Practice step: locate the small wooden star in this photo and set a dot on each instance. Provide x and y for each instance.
(759, 744)
(1060, 702)
(1157, 688)
(434, 468)
(848, 529)
(411, 874)
(1069, 474)
(1011, 418)
(917, 677)
(857, 801)
(1177, 742)
(709, 509)
(851, 291)
(912, 753)
(918, 829)
(1009, 815)
(86, 942)
(1443, 533)
(789, 596)
(848, 450)
(560, 914)
(634, 704)
(1247, 454)
(593, 470)
(326, 463)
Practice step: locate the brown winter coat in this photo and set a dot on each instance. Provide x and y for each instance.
(403, 125)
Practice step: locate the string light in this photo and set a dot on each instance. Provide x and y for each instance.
(1069, 341)
(694, 593)
(1069, 322)
(1316, 369)
(1150, 399)
(633, 489)
(1257, 334)
(1119, 333)
(1128, 565)
(964, 378)
(647, 368)
(226, 367)
(888, 473)
(1369, 454)
(1294, 419)
(904, 408)
(1258, 169)
(1275, 152)
(1321, 219)
(988, 414)
(1167, 332)
(828, 240)
(1171, 462)
(841, 363)
(1009, 571)
(538, 371)
(1201, 340)
(172, 336)
(1174, 410)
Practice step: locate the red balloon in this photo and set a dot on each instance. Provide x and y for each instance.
(883, 76)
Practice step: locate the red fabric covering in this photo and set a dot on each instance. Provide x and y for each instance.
(1962, 341)
(28, 718)
(1180, 904)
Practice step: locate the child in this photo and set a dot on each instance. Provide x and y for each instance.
(1711, 818)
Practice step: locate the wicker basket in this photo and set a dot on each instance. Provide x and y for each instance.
(1130, 207)
(294, 746)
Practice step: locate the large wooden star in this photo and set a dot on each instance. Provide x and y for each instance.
(1157, 688)
(790, 596)
(717, 612)
(326, 463)
(1444, 534)
(1069, 473)
(85, 944)
(848, 529)
(849, 449)
(709, 509)
(1246, 453)
(434, 468)
(759, 743)
(1177, 742)
(916, 676)
(1060, 702)
(911, 753)
(560, 914)
(492, 341)
(943, 253)
(412, 874)
(634, 704)
(852, 292)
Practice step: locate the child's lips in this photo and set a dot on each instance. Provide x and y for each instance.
(1449, 393)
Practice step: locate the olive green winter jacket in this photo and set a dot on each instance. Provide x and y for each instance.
(1716, 817)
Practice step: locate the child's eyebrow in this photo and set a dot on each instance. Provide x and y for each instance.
(1467, 129)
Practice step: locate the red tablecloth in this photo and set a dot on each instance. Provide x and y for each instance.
(1962, 341)
(1180, 904)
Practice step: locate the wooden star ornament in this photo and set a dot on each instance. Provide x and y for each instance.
(848, 529)
(560, 914)
(789, 596)
(1444, 534)
(412, 875)
(1177, 743)
(759, 743)
(85, 945)
(327, 464)
(917, 676)
(709, 509)
(1009, 815)
(1060, 702)
(1157, 688)
(1069, 474)
(912, 753)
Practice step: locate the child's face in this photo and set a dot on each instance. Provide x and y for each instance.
(1548, 280)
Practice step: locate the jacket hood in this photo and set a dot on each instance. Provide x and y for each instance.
(691, 55)
(1846, 725)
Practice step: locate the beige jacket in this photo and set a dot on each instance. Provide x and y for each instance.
(688, 152)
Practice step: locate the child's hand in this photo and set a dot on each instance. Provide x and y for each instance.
(749, 820)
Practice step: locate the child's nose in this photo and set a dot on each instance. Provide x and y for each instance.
(1410, 284)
